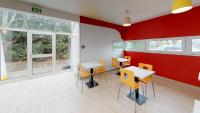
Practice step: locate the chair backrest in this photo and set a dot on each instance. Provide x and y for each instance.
(102, 61)
(80, 68)
(146, 66)
(127, 77)
(128, 57)
(115, 62)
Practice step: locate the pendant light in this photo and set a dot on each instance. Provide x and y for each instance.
(127, 20)
(179, 6)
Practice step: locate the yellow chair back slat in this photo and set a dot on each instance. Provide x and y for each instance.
(127, 77)
(129, 60)
(82, 72)
(102, 68)
(148, 67)
(115, 63)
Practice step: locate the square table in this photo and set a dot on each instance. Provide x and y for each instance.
(90, 66)
(121, 61)
(139, 73)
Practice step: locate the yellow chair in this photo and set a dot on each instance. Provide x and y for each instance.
(115, 64)
(127, 78)
(128, 63)
(82, 74)
(149, 78)
(102, 68)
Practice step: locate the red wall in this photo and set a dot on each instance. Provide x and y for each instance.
(181, 68)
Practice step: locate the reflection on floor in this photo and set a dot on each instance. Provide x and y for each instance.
(59, 94)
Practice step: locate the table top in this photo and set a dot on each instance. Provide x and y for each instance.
(122, 59)
(90, 65)
(139, 72)
(196, 106)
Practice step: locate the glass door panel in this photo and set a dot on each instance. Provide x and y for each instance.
(63, 46)
(41, 54)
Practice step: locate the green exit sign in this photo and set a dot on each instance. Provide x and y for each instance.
(36, 10)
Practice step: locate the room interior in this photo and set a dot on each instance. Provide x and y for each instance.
(92, 56)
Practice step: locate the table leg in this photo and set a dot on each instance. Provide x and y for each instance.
(121, 63)
(91, 82)
(140, 99)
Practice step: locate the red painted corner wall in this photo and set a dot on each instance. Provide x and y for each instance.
(181, 68)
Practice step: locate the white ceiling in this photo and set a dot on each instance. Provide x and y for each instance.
(111, 10)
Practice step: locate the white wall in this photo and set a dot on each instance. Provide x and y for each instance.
(98, 43)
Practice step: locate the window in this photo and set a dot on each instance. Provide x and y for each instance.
(117, 46)
(196, 45)
(166, 45)
(193, 45)
(1, 17)
(48, 40)
(137, 45)
(40, 23)
(62, 27)
(41, 44)
(15, 52)
(13, 19)
(63, 45)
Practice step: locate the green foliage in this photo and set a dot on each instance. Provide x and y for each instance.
(15, 44)
(42, 44)
(62, 46)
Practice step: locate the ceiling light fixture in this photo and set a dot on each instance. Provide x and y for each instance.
(127, 20)
(179, 6)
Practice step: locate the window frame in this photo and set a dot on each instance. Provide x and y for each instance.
(145, 45)
(118, 42)
(189, 45)
(167, 52)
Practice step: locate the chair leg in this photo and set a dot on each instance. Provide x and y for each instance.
(119, 91)
(143, 92)
(130, 92)
(111, 71)
(77, 80)
(135, 100)
(153, 89)
(82, 87)
(146, 91)
(105, 78)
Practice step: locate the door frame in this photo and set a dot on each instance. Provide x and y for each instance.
(31, 56)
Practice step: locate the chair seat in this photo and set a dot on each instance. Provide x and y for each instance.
(99, 70)
(146, 80)
(85, 74)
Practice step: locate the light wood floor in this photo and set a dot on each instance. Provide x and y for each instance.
(59, 94)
